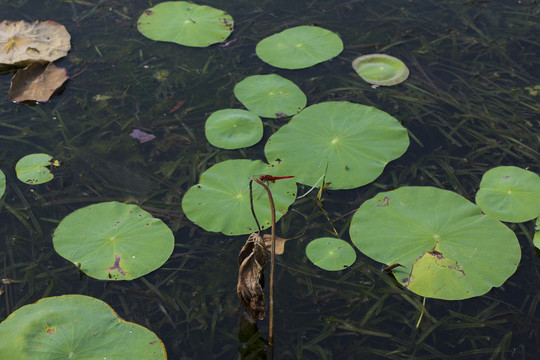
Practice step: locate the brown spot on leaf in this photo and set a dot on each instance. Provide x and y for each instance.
(116, 266)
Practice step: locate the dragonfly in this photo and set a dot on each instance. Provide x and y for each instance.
(272, 179)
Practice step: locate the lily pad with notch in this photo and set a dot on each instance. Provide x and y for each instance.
(75, 327)
(270, 96)
(113, 241)
(381, 69)
(33, 169)
(510, 194)
(330, 253)
(233, 128)
(299, 47)
(349, 143)
(185, 23)
(447, 247)
(220, 201)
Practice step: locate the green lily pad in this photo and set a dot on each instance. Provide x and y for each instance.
(113, 241)
(381, 69)
(33, 169)
(351, 142)
(270, 96)
(536, 238)
(510, 194)
(330, 253)
(233, 128)
(447, 247)
(185, 23)
(75, 327)
(299, 47)
(2, 183)
(220, 201)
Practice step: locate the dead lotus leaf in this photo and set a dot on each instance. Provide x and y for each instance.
(280, 243)
(252, 259)
(36, 82)
(22, 43)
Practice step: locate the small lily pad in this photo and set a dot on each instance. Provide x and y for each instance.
(75, 327)
(233, 128)
(510, 194)
(330, 253)
(270, 96)
(113, 241)
(185, 23)
(381, 69)
(446, 247)
(350, 143)
(33, 169)
(220, 201)
(2, 183)
(299, 47)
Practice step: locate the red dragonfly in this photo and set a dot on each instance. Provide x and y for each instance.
(272, 179)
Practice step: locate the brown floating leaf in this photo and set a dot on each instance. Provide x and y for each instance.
(252, 259)
(280, 243)
(22, 43)
(36, 82)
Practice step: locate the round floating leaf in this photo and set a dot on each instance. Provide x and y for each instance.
(185, 23)
(299, 47)
(510, 194)
(23, 43)
(220, 202)
(32, 169)
(381, 69)
(270, 96)
(352, 143)
(2, 183)
(75, 327)
(233, 129)
(113, 241)
(330, 253)
(37, 82)
(447, 247)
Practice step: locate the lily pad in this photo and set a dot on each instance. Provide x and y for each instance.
(75, 327)
(270, 96)
(299, 47)
(185, 23)
(233, 128)
(447, 247)
(330, 253)
(352, 143)
(381, 69)
(113, 241)
(33, 169)
(37, 82)
(22, 43)
(510, 194)
(536, 238)
(2, 183)
(220, 201)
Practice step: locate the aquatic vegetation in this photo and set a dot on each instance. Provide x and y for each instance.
(233, 128)
(381, 69)
(2, 183)
(75, 326)
(185, 23)
(330, 253)
(37, 82)
(33, 169)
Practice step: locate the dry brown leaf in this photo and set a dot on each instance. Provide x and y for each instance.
(252, 259)
(280, 243)
(22, 43)
(36, 82)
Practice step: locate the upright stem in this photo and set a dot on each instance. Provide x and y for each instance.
(272, 264)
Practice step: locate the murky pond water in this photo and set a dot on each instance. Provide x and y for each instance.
(469, 105)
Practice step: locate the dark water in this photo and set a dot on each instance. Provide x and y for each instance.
(466, 106)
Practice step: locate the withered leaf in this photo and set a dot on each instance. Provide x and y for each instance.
(280, 243)
(37, 82)
(252, 259)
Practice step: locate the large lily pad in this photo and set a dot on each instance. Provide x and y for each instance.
(270, 96)
(509, 193)
(330, 253)
(233, 128)
(22, 43)
(113, 241)
(381, 69)
(75, 327)
(220, 201)
(447, 247)
(299, 47)
(34, 169)
(351, 142)
(37, 82)
(185, 23)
